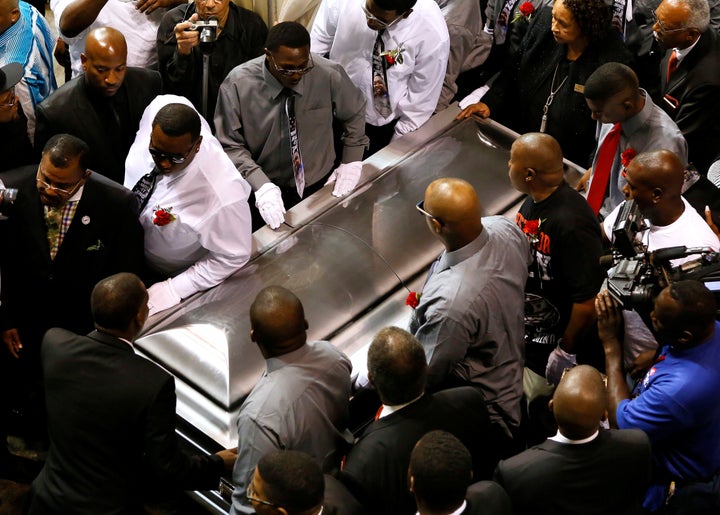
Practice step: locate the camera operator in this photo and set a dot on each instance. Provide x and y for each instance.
(654, 181)
(240, 37)
(676, 403)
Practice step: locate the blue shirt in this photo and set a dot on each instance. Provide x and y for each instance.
(677, 406)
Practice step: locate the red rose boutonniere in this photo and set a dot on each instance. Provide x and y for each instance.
(395, 56)
(524, 12)
(627, 156)
(163, 216)
(532, 229)
(413, 299)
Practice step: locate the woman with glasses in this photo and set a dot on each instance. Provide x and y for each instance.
(541, 89)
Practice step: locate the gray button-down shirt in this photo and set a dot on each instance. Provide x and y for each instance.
(251, 124)
(470, 317)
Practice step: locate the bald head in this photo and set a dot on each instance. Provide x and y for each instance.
(455, 209)
(580, 402)
(536, 164)
(9, 14)
(104, 61)
(277, 321)
(660, 169)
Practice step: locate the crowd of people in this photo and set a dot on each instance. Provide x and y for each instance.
(518, 385)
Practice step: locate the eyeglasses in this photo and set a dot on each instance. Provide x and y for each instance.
(61, 191)
(288, 72)
(250, 496)
(420, 206)
(177, 159)
(12, 99)
(661, 26)
(371, 17)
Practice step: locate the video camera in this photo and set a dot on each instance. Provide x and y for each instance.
(208, 30)
(636, 276)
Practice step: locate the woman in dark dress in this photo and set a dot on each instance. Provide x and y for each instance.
(541, 88)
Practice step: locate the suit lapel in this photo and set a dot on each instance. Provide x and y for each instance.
(76, 237)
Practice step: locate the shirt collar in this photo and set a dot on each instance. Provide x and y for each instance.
(456, 512)
(682, 54)
(277, 362)
(639, 120)
(127, 341)
(449, 259)
(560, 438)
(77, 195)
(387, 410)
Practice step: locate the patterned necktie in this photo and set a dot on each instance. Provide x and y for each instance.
(501, 25)
(144, 188)
(672, 65)
(601, 174)
(381, 96)
(53, 222)
(295, 156)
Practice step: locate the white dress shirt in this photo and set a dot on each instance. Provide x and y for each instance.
(210, 237)
(340, 30)
(139, 29)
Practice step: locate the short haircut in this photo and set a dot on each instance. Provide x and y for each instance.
(610, 79)
(287, 33)
(276, 316)
(177, 120)
(63, 148)
(116, 300)
(699, 14)
(400, 6)
(697, 303)
(292, 480)
(594, 17)
(397, 366)
(441, 467)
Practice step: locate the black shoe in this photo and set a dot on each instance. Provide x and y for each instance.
(19, 469)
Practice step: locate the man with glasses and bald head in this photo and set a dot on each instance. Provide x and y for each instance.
(68, 229)
(690, 75)
(274, 117)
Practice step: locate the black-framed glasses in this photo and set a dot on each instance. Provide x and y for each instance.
(290, 72)
(661, 26)
(173, 158)
(371, 17)
(251, 496)
(67, 191)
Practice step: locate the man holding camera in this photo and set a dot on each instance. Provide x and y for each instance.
(676, 402)
(239, 36)
(654, 182)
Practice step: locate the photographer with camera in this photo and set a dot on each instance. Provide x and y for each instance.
(654, 182)
(676, 403)
(238, 37)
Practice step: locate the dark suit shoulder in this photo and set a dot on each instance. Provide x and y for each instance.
(20, 178)
(487, 498)
(58, 100)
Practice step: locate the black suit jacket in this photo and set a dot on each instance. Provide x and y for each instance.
(607, 476)
(376, 467)
(487, 498)
(104, 238)
(69, 110)
(111, 422)
(691, 98)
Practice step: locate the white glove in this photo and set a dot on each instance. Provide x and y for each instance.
(162, 296)
(488, 30)
(474, 97)
(346, 176)
(268, 200)
(558, 361)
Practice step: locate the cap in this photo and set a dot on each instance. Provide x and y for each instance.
(10, 74)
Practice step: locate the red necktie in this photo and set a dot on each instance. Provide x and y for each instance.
(601, 174)
(379, 412)
(672, 65)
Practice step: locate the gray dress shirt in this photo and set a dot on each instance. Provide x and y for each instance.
(300, 404)
(251, 124)
(470, 317)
